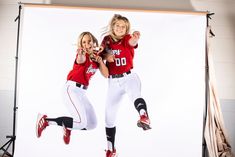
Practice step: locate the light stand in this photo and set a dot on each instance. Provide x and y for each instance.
(12, 137)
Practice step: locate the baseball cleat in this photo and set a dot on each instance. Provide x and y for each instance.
(66, 135)
(41, 124)
(144, 122)
(110, 153)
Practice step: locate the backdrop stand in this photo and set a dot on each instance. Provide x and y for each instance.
(12, 137)
(204, 149)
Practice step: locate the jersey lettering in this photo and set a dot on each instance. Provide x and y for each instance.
(91, 70)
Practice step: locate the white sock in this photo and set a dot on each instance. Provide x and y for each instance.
(52, 123)
(142, 112)
(110, 146)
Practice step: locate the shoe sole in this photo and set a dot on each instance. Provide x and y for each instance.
(144, 126)
(38, 119)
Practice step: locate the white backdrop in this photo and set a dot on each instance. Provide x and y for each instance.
(170, 61)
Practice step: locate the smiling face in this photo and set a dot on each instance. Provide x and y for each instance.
(120, 28)
(87, 42)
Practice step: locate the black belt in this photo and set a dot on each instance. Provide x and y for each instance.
(81, 86)
(119, 75)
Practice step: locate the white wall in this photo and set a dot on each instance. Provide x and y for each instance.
(223, 48)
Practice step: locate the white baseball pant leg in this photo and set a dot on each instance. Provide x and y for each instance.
(129, 84)
(79, 107)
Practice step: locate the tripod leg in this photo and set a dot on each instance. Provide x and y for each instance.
(5, 152)
(5, 145)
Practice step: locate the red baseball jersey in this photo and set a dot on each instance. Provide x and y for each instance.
(81, 73)
(123, 52)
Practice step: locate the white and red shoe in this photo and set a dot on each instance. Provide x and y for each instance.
(110, 153)
(144, 122)
(66, 136)
(41, 124)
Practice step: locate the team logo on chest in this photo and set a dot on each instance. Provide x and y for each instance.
(90, 69)
(116, 52)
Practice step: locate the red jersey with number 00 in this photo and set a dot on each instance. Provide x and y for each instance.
(123, 52)
(81, 73)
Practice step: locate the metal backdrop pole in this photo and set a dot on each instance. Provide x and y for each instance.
(12, 137)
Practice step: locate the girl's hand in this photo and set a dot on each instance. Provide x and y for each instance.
(81, 51)
(81, 58)
(136, 35)
(97, 59)
(100, 49)
(134, 38)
